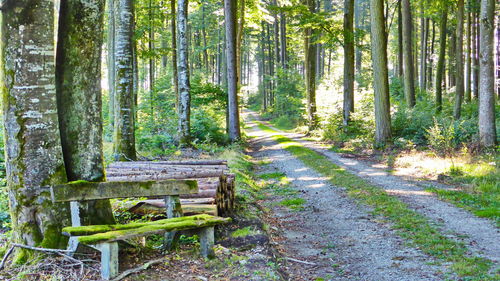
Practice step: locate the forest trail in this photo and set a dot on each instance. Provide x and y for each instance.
(341, 237)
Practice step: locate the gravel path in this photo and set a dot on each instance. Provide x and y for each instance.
(339, 236)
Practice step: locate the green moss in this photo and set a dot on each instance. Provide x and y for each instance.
(150, 229)
(93, 229)
(242, 232)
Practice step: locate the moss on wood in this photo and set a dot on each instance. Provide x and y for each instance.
(151, 229)
(94, 229)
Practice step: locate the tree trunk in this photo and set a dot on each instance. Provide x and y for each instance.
(423, 54)
(348, 60)
(409, 76)
(310, 70)
(358, 21)
(498, 57)
(230, 8)
(400, 41)
(79, 104)
(459, 62)
(124, 135)
(380, 73)
(468, 61)
(33, 153)
(441, 59)
(239, 39)
(451, 60)
(173, 30)
(430, 65)
(184, 109)
(284, 59)
(487, 126)
(111, 61)
(204, 34)
(475, 56)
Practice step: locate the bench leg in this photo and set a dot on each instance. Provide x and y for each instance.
(109, 260)
(207, 242)
(72, 245)
(173, 210)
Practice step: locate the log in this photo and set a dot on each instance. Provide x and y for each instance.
(184, 175)
(157, 207)
(183, 162)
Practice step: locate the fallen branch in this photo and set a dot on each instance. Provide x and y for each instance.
(138, 269)
(46, 250)
(299, 261)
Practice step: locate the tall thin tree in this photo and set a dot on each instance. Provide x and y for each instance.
(441, 58)
(310, 69)
(184, 110)
(380, 73)
(348, 61)
(459, 61)
(487, 126)
(409, 67)
(230, 8)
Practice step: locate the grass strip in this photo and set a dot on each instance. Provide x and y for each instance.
(479, 204)
(410, 224)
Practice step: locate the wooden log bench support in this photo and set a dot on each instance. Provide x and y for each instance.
(104, 238)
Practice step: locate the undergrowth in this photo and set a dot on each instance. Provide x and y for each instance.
(410, 225)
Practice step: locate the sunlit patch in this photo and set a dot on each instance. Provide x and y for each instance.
(409, 192)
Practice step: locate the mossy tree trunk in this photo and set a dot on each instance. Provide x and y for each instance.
(124, 131)
(78, 83)
(33, 151)
(111, 60)
(184, 109)
(380, 73)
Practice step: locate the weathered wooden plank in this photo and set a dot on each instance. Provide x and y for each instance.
(181, 162)
(151, 229)
(84, 190)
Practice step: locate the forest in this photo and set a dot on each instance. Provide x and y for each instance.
(250, 140)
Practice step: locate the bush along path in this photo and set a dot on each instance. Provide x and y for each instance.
(351, 221)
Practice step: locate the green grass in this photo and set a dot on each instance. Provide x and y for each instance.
(274, 175)
(481, 194)
(295, 204)
(242, 232)
(410, 225)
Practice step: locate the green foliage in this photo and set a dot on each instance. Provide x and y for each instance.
(441, 138)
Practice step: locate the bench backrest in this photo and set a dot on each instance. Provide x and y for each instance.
(84, 190)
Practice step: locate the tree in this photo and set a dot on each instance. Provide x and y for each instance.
(487, 126)
(348, 60)
(173, 28)
(184, 109)
(380, 73)
(124, 131)
(409, 68)
(111, 59)
(33, 151)
(459, 90)
(79, 104)
(230, 8)
(441, 59)
(310, 69)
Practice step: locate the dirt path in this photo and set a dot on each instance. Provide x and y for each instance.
(340, 237)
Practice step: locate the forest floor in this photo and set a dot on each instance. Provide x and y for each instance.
(329, 229)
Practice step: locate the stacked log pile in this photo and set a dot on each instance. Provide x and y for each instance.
(215, 183)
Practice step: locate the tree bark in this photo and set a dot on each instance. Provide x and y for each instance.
(430, 65)
(400, 41)
(184, 109)
(283, 47)
(348, 61)
(459, 61)
(230, 8)
(111, 61)
(423, 54)
(79, 104)
(310, 70)
(173, 28)
(409, 75)
(487, 126)
(475, 56)
(468, 61)
(124, 135)
(380, 73)
(239, 40)
(33, 150)
(441, 59)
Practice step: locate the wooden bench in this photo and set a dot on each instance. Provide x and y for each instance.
(104, 238)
